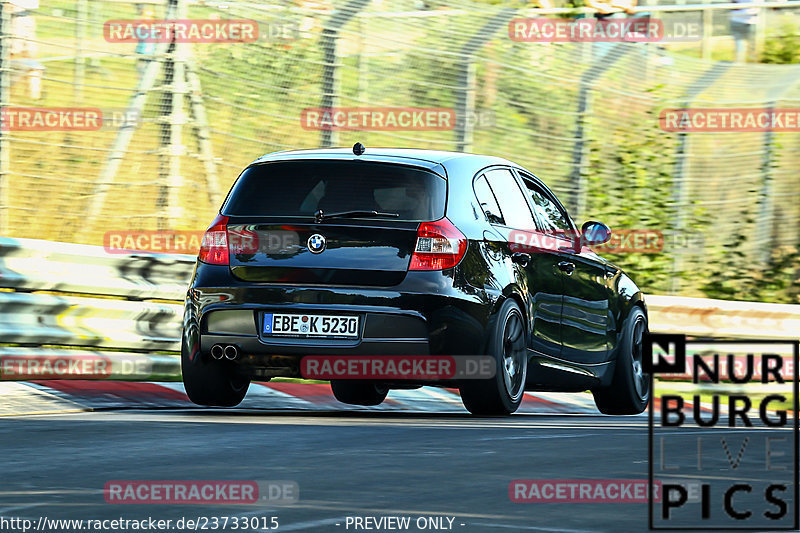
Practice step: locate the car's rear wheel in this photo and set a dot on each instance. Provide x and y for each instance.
(502, 394)
(359, 392)
(210, 382)
(629, 392)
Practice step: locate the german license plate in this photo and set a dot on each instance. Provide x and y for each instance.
(299, 325)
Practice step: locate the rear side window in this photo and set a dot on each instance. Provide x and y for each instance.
(300, 188)
(488, 202)
(512, 202)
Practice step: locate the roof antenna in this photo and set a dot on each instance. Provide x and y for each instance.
(358, 149)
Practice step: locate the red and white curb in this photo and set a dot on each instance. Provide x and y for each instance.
(58, 396)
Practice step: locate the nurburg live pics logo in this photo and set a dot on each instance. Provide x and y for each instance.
(723, 449)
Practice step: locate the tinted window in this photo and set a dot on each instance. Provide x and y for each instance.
(512, 202)
(488, 202)
(551, 218)
(300, 188)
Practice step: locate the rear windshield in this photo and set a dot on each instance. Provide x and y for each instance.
(300, 188)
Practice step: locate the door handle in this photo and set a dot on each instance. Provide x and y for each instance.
(566, 266)
(521, 258)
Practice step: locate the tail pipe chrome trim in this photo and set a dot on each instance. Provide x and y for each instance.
(231, 352)
(217, 351)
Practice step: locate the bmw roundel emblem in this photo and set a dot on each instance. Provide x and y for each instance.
(317, 243)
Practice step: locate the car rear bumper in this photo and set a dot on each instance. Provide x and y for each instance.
(427, 314)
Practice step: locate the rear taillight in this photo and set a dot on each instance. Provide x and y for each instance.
(439, 245)
(214, 249)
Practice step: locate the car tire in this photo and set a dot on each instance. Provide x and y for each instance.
(629, 391)
(211, 383)
(358, 392)
(503, 393)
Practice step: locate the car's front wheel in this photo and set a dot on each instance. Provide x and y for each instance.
(629, 392)
(358, 392)
(502, 394)
(210, 382)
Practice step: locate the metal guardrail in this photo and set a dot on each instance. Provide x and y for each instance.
(111, 320)
(36, 265)
(42, 319)
(90, 305)
(703, 317)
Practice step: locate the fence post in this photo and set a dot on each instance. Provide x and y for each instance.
(330, 62)
(80, 61)
(679, 195)
(708, 30)
(765, 223)
(679, 192)
(761, 32)
(580, 151)
(465, 105)
(202, 133)
(361, 61)
(5, 97)
(465, 95)
(764, 235)
(330, 85)
(177, 121)
(173, 117)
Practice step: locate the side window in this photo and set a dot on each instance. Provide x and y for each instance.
(551, 217)
(511, 199)
(488, 202)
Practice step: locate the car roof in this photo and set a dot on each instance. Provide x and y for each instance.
(429, 159)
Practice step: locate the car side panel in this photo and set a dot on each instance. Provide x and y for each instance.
(586, 322)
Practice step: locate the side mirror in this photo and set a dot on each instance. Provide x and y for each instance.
(593, 233)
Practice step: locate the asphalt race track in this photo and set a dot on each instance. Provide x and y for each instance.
(346, 464)
(418, 456)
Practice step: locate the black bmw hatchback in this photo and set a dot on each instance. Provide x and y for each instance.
(394, 252)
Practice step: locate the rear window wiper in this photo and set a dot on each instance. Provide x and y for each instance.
(320, 215)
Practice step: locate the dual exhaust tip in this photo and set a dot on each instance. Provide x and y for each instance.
(229, 351)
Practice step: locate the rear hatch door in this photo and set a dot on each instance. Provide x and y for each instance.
(342, 222)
